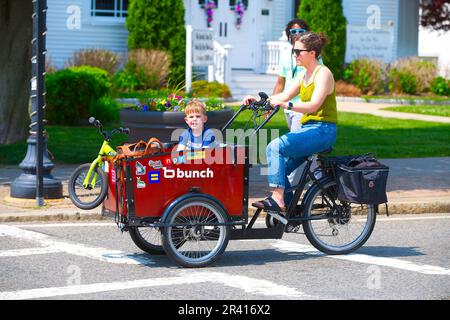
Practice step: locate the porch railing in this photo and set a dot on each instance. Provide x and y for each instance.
(221, 70)
(271, 52)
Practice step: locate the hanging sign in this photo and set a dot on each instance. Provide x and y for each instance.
(202, 48)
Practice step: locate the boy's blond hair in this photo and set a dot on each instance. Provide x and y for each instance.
(195, 106)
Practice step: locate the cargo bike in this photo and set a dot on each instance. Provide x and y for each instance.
(190, 204)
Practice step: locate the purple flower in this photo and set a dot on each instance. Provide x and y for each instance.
(145, 108)
(167, 105)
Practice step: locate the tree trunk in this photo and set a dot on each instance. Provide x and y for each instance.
(15, 69)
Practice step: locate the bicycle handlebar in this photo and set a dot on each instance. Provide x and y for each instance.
(262, 105)
(105, 134)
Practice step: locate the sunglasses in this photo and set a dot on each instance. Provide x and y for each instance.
(297, 52)
(296, 31)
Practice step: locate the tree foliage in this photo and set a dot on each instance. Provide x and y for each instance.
(327, 16)
(159, 25)
(435, 14)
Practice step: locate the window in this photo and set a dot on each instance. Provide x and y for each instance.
(202, 3)
(233, 3)
(109, 8)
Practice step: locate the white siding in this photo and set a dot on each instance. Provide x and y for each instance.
(93, 33)
(279, 18)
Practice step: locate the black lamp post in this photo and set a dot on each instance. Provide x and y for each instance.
(36, 180)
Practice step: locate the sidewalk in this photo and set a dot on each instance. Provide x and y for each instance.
(414, 186)
(376, 109)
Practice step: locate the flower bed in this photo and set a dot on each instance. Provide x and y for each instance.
(159, 117)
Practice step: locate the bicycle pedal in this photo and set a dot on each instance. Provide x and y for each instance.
(292, 229)
(275, 215)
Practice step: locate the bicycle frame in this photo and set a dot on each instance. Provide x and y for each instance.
(105, 151)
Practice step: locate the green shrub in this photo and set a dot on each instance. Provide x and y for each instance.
(327, 16)
(204, 88)
(72, 93)
(367, 75)
(402, 81)
(411, 75)
(440, 86)
(159, 25)
(126, 81)
(106, 109)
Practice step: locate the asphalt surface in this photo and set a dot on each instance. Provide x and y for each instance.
(407, 257)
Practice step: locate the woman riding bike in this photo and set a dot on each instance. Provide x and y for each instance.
(318, 131)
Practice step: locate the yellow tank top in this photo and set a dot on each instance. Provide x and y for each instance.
(327, 111)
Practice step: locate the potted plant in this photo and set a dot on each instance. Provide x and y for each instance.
(159, 117)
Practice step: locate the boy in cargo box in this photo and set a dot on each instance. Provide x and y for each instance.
(198, 135)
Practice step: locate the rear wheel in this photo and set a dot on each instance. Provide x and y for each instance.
(90, 196)
(192, 240)
(346, 226)
(147, 239)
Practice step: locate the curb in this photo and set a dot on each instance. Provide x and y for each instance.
(77, 216)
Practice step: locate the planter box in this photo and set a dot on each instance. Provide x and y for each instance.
(160, 124)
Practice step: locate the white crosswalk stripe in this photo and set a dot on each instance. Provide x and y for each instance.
(287, 246)
(247, 284)
(97, 253)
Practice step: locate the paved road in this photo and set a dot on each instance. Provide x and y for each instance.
(407, 257)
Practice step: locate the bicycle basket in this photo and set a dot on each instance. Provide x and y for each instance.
(362, 180)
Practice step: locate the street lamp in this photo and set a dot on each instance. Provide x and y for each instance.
(36, 180)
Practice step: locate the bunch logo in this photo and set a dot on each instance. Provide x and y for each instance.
(155, 164)
(140, 169)
(113, 175)
(140, 184)
(189, 174)
(154, 177)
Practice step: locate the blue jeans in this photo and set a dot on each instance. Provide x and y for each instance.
(289, 151)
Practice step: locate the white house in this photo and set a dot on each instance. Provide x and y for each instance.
(381, 29)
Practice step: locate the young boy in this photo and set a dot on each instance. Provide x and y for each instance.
(197, 136)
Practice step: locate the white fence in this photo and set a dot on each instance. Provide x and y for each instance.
(271, 52)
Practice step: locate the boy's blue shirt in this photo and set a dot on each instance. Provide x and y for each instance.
(207, 139)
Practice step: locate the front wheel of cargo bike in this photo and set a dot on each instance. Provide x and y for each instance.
(192, 239)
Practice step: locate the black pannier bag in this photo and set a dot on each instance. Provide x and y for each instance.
(362, 180)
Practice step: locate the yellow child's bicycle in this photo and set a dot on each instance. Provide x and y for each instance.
(88, 184)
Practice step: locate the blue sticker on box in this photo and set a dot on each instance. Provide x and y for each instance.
(154, 177)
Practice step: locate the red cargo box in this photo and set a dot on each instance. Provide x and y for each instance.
(148, 185)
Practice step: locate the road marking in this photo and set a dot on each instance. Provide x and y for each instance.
(57, 225)
(27, 252)
(97, 253)
(247, 284)
(288, 246)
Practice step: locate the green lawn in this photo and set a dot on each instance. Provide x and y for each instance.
(386, 137)
(67, 144)
(357, 134)
(436, 110)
